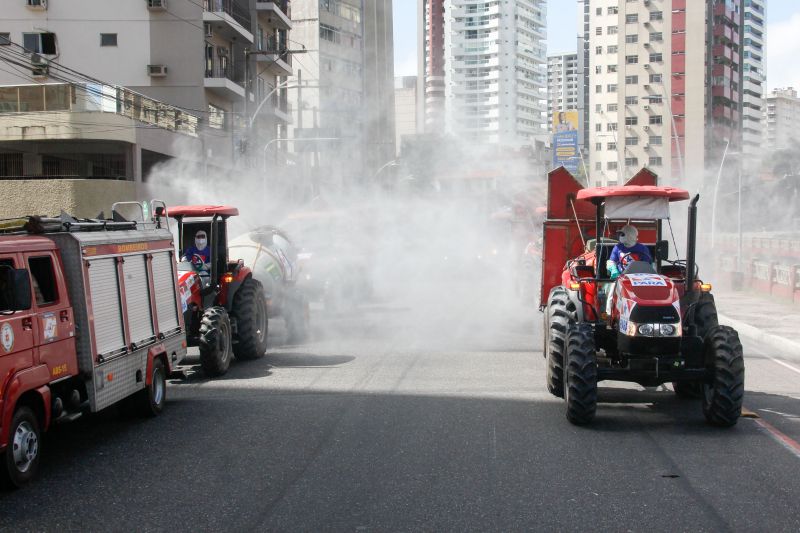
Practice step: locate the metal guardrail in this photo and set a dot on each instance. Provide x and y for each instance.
(230, 7)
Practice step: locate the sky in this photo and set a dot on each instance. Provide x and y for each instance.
(783, 37)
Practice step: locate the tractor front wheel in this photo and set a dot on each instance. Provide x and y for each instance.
(723, 395)
(215, 341)
(580, 389)
(250, 312)
(560, 314)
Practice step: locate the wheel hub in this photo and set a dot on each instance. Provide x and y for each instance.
(25, 446)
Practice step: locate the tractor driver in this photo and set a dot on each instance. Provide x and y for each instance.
(626, 251)
(199, 254)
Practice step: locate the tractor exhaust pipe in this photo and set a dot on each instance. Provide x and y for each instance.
(691, 244)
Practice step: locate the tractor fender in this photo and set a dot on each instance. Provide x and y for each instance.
(157, 351)
(230, 289)
(574, 297)
(32, 380)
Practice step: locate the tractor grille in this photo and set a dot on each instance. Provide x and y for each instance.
(655, 314)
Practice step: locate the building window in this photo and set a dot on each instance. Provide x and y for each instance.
(612, 147)
(631, 141)
(598, 147)
(611, 126)
(598, 88)
(656, 58)
(216, 117)
(631, 161)
(599, 11)
(612, 87)
(656, 15)
(631, 100)
(611, 108)
(631, 121)
(598, 31)
(598, 50)
(655, 140)
(656, 119)
(44, 281)
(613, 10)
(598, 108)
(598, 166)
(612, 68)
(631, 60)
(5, 39)
(108, 39)
(656, 161)
(613, 30)
(611, 165)
(39, 43)
(598, 69)
(656, 37)
(632, 18)
(598, 127)
(631, 80)
(655, 78)
(631, 39)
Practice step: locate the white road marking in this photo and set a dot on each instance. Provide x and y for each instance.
(787, 365)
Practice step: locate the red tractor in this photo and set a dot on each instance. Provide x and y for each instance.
(224, 307)
(660, 325)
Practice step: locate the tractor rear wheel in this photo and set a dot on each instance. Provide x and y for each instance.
(580, 389)
(250, 311)
(723, 395)
(561, 313)
(215, 341)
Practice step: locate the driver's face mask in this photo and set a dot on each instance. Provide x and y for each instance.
(201, 242)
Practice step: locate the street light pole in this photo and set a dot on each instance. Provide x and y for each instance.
(716, 192)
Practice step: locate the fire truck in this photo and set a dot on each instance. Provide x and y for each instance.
(89, 317)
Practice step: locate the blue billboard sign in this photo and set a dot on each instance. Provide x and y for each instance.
(565, 150)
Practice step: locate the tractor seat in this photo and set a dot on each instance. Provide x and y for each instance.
(640, 267)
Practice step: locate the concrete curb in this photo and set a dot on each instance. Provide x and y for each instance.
(787, 349)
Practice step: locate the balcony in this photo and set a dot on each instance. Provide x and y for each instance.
(279, 13)
(227, 19)
(221, 80)
(273, 57)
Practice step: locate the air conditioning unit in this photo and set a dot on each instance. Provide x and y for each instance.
(209, 29)
(157, 71)
(36, 4)
(647, 45)
(646, 146)
(157, 5)
(646, 128)
(646, 107)
(39, 66)
(646, 2)
(647, 65)
(646, 86)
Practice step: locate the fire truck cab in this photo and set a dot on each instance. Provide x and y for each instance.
(89, 317)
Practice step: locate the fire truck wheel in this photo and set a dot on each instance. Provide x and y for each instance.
(215, 341)
(250, 311)
(723, 395)
(580, 390)
(151, 400)
(560, 315)
(21, 457)
(297, 317)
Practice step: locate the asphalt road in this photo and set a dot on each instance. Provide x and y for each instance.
(430, 417)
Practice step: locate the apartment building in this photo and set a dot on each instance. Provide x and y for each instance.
(349, 96)
(564, 85)
(405, 109)
(664, 86)
(496, 71)
(431, 62)
(200, 57)
(753, 79)
(781, 119)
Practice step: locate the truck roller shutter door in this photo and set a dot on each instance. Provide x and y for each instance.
(106, 306)
(164, 284)
(137, 296)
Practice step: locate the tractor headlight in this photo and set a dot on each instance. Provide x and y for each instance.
(646, 330)
(667, 330)
(652, 330)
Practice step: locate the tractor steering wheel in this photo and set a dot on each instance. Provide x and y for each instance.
(198, 262)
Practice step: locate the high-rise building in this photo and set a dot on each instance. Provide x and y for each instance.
(753, 78)
(583, 26)
(664, 86)
(781, 119)
(405, 108)
(349, 92)
(564, 87)
(485, 69)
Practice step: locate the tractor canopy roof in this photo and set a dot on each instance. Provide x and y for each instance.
(596, 194)
(202, 211)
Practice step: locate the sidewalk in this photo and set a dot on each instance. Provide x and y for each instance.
(772, 323)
